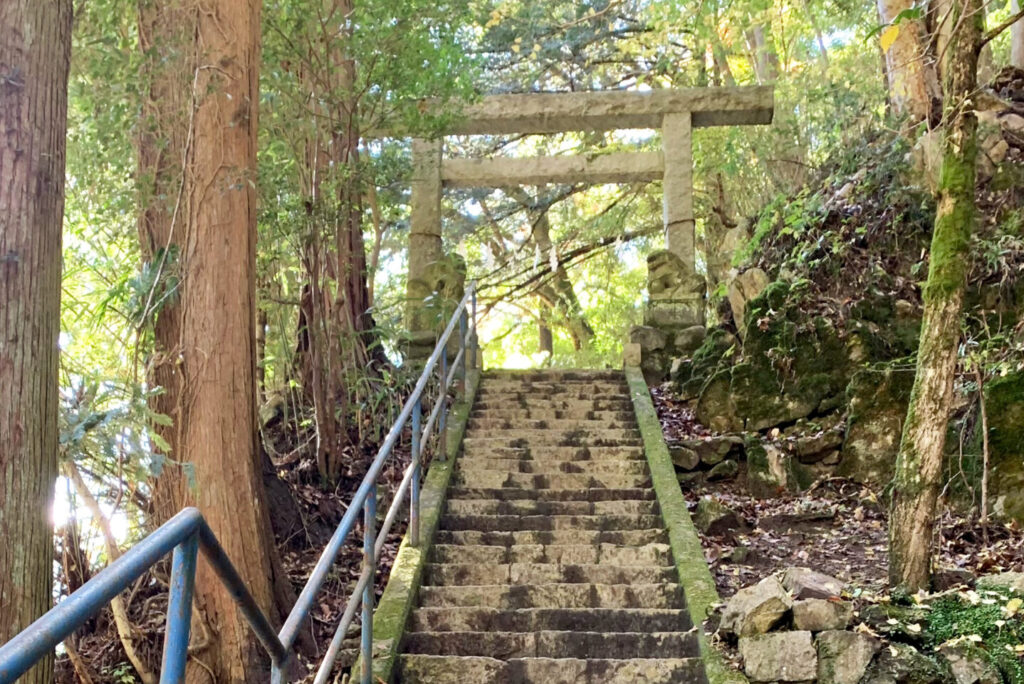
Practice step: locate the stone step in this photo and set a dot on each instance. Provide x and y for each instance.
(508, 645)
(553, 403)
(515, 413)
(529, 397)
(534, 507)
(565, 374)
(539, 466)
(511, 523)
(637, 537)
(497, 423)
(645, 494)
(586, 554)
(433, 669)
(528, 438)
(448, 574)
(464, 619)
(555, 453)
(558, 595)
(490, 479)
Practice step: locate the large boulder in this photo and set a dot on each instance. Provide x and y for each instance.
(756, 609)
(779, 657)
(877, 400)
(843, 657)
(792, 366)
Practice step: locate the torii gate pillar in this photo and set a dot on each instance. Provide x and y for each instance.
(675, 290)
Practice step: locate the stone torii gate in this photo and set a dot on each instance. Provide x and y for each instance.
(676, 291)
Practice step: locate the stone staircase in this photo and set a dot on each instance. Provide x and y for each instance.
(551, 563)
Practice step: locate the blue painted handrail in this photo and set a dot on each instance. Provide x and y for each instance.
(187, 533)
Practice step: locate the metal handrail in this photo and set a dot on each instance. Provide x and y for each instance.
(187, 533)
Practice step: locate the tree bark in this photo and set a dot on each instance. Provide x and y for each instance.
(205, 118)
(918, 475)
(35, 53)
(910, 70)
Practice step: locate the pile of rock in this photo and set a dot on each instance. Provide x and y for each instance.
(711, 458)
(794, 628)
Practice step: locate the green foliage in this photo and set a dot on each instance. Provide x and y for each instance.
(983, 621)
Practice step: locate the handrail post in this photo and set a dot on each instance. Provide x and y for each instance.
(414, 486)
(179, 610)
(476, 339)
(442, 421)
(463, 325)
(369, 541)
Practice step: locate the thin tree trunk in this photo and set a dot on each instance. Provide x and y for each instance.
(35, 52)
(1016, 37)
(122, 623)
(561, 292)
(918, 475)
(911, 73)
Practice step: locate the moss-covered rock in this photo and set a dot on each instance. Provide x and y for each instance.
(792, 366)
(771, 471)
(716, 351)
(877, 398)
(1004, 404)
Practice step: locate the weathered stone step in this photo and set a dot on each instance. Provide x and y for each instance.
(433, 669)
(554, 403)
(637, 537)
(534, 507)
(499, 423)
(564, 374)
(463, 619)
(528, 438)
(545, 466)
(489, 479)
(515, 413)
(508, 645)
(446, 574)
(555, 453)
(510, 523)
(529, 397)
(559, 595)
(645, 494)
(579, 554)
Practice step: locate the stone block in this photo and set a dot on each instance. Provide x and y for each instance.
(632, 354)
(805, 583)
(779, 657)
(820, 615)
(843, 657)
(756, 609)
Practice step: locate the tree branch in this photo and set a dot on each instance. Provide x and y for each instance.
(990, 35)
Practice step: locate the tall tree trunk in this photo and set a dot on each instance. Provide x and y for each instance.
(213, 394)
(35, 53)
(910, 69)
(919, 464)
